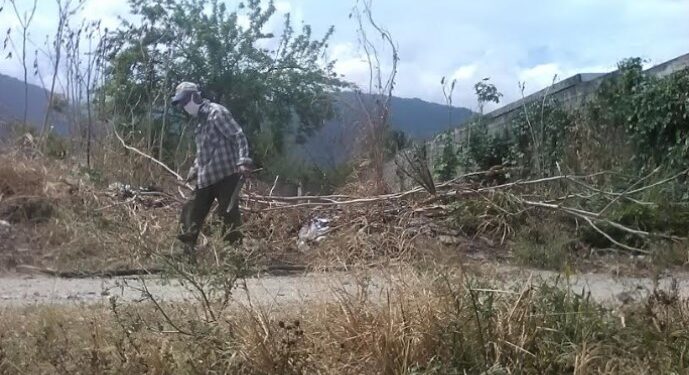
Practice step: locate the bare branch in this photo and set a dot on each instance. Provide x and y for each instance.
(151, 158)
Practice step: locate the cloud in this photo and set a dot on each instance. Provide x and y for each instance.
(465, 72)
(527, 41)
(541, 75)
(350, 63)
(283, 7)
(106, 11)
(505, 40)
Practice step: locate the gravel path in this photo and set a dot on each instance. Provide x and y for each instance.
(22, 289)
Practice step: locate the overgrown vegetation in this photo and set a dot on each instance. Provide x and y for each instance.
(444, 323)
(629, 138)
(557, 186)
(633, 124)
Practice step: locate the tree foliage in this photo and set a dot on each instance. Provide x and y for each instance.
(486, 92)
(448, 161)
(654, 113)
(277, 87)
(539, 138)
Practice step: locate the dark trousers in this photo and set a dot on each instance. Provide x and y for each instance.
(198, 206)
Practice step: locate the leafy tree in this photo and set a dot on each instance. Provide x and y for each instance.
(640, 118)
(486, 92)
(277, 87)
(659, 124)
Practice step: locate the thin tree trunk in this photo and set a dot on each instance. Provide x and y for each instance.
(89, 71)
(25, 22)
(26, 77)
(56, 67)
(88, 136)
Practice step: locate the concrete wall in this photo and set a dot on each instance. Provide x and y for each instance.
(571, 93)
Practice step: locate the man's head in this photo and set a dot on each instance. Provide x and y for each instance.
(187, 97)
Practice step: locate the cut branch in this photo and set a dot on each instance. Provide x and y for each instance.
(151, 158)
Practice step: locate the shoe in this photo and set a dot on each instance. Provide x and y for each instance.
(184, 253)
(185, 237)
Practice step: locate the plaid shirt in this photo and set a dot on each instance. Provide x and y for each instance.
(221, 146)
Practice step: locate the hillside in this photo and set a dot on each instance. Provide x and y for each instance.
(330, 146)
(418, 119)
(12, 105)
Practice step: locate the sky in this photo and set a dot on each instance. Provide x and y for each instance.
(509, 41)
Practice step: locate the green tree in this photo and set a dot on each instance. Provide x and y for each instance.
(486, 92)
(278, 87)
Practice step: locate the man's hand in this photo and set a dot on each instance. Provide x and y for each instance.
(191, 176)
(245, 170)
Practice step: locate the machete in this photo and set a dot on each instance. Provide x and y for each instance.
(238, 189)
(235, 193)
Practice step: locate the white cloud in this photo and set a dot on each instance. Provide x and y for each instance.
(540, 76)
(283, 7)
(106, 11)
(465, 72)
(505, 40)
(350, 64)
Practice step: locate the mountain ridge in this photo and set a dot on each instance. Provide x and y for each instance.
(331, 145)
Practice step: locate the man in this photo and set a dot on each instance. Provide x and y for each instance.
(222, 159)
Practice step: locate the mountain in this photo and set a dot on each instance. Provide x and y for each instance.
(330, 146)
(12, 106)
(418, 119)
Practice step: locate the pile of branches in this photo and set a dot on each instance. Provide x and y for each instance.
(502, 205)
(439, 210)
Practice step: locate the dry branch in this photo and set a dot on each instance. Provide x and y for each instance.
(151, 158)
(456, 188)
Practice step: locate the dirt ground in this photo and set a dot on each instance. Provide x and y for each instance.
(18, 289)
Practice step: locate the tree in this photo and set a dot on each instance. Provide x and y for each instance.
(447, 163)
(375, 105)
(278, 88)
(24, 23)
(66, 9)
(486, 92)
(447, 94)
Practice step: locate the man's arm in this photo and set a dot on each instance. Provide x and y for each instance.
(230, 129)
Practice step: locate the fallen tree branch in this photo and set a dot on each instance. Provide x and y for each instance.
(275, 184)
(154, 160)
(591, 215)
(612, 240)
(627, 191)
(592, 218)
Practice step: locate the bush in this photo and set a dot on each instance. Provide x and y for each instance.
(543, 246)
(448, 162)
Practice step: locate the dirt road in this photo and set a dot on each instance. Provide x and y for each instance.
(21, 289)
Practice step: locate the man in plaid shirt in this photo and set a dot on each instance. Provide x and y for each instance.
(222, 157)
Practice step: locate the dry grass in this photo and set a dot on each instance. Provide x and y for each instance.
(66, 218)
(435, 323)
(17, 179)
(61, 217)
(83, 226)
